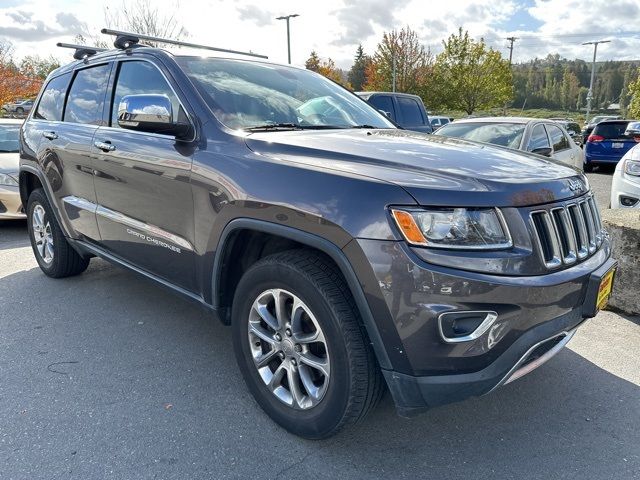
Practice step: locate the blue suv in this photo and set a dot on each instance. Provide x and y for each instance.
(607, 144)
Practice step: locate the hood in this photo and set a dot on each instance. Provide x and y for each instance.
(434, 170)
(9, 162)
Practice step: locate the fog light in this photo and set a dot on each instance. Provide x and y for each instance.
(464, 326)
(627, 201)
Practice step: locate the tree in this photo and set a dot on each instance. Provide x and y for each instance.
(313, 62)
(37, 66)
(13, 83)
(470, 76)
(358, 73)
(634, 94)
(413, 64)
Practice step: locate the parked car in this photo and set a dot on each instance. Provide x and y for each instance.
(535, 135)
(344, 252)
(10, 203)
(20, 107)
(573, 129)
(438, 121)
(607, 144)
(625, 184)
(404, 109)
(588, 128)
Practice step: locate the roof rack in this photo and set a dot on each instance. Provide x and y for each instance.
(82, 51)
(126, 40)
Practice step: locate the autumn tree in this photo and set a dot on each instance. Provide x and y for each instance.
(13, 83)
(470, 76)
(357, 75)
(326, 68)
(413, 64)
(36, 66)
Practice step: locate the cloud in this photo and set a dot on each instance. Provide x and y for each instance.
(358, 19)
(256, 15)
(20, 16)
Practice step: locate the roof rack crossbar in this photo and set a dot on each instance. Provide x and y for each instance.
(81, 51)
(130, 37)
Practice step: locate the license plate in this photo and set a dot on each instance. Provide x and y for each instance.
(617, 145)
(604, 290)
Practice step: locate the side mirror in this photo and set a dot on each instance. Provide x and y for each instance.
(386, 114)
(546, 151)
(150, 113)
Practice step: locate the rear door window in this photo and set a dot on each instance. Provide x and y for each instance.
(558, 139)
(538, 138)
(384, 103)
(86, 96)
(410, 111)
(611, 130)
(52, 99)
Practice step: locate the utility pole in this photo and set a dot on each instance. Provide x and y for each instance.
(393, 73)
(511, 41)
(593, 75)
(287, 17)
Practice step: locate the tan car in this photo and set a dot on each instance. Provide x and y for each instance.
(10, 204)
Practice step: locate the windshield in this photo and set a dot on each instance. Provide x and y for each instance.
(250, 95)
(9, 138)
(504, 134)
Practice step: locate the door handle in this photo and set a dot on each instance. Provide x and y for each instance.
(50, 135)
(105, 146)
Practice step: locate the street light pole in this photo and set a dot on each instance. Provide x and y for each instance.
(287, 17)
(593, 75)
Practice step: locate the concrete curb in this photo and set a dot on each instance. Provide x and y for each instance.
(624, 227)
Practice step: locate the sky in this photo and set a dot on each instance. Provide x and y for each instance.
(334, 28)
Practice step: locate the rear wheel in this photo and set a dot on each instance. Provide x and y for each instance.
(588, 167)
(53, 253)
(300, 346)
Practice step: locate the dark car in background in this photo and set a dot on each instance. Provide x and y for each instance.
(404, 109)
(607, 144)
(572, 127)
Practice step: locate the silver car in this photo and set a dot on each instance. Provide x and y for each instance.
(10, 204)
(19, 107)
(541, 136)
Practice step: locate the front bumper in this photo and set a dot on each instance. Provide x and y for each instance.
(623, 185)
(10, 203)
(536, 317)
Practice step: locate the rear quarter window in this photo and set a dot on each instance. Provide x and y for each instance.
(52, 99)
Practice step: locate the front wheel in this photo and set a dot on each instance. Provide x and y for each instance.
(300, 346)
(53, 253)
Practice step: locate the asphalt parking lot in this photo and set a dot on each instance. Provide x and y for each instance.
(105, 375)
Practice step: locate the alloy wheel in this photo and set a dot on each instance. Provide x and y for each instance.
(42, 234)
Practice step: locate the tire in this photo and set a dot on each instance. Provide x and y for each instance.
(20, 110)
(588, 167)
(354, 383)
(56, 258)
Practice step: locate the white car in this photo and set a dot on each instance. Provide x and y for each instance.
(10, 203)
(625, 185)
(536, 135)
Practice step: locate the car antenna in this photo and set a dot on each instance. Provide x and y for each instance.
(82, 52)
(126, 40)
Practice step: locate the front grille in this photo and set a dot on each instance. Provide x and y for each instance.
(567, 233)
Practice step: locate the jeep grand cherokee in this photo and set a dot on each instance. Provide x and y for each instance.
(346, 254)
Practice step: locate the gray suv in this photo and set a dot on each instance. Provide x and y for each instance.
(348, 256)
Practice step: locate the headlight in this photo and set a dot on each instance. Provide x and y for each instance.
(632, 167)
(6, 179)
(456, 228)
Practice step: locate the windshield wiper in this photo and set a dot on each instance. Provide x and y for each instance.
(291, 126)
(363, 126)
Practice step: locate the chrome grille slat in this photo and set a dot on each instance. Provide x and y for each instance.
(566, 233)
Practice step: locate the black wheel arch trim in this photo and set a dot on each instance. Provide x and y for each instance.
(313, 241)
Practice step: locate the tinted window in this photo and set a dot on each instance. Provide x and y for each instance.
(611, 130)
(138, 78)
(538, 138)
(504, 134)
(410, 111)
(246, 95)
(52, 99)
(384, 103)
(9, 138)
(558, 140)
(86, 96)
